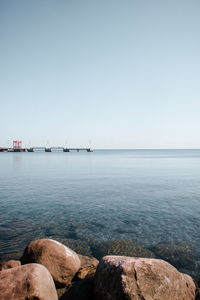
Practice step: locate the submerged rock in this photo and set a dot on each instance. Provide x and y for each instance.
(179, 255)
(9, 264)
(79, 246)
(120, 247)
(32, 281)
(11, 256)
(62, 262)
(12, 238)
(120, 277)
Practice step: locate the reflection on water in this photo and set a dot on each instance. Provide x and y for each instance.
(136, 203)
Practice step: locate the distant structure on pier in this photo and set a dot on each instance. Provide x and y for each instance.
(17, 147)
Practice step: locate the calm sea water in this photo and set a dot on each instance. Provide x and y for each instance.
(149, 196)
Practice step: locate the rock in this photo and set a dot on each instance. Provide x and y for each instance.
(9, 264)
(120, 247)
(197, 294)
(62, 262)
(80, 290)
(128, 248)
(11, 256)
(86, 271)
(61, 291)
(88, 267)
(32, 281)
(180, 256)
(14, 240)
(120, 277)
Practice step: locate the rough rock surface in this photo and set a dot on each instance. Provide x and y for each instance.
(88, 267)
(9, 264)
(32, 281)
(120, 277)
(62, 262)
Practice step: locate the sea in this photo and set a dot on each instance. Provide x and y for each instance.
(122, 202)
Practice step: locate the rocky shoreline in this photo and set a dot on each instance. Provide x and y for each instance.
(49, 270)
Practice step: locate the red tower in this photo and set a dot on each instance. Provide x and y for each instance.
(17, 144)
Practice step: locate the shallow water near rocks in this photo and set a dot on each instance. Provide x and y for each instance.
(146, 197)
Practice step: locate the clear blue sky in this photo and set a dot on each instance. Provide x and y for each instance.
(118, 73)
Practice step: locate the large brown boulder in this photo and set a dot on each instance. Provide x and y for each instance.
(62, 262)
(122, 278)
(32, 281)
(9, 264)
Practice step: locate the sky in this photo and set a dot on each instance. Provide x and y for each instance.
(106, 74)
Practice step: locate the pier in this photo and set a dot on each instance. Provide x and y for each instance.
(17, 147)
(44, 149)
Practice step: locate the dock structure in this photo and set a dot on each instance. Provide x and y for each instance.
(44, 149)
(17, 147)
